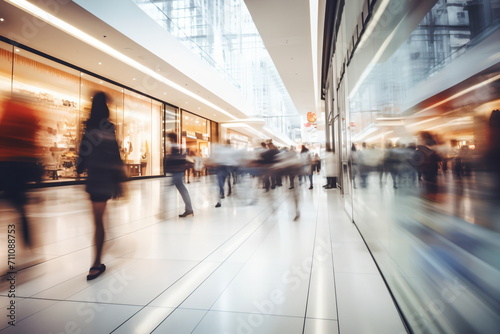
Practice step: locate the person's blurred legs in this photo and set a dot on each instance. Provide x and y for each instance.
(98, 268)
(179, 184)
(13, 182)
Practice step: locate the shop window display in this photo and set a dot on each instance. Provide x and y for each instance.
(137, 133)
(55, 88)
(5, 67)
(239, 141)
(171, 123)
(196, 133)
(64, 96)
(153, 149)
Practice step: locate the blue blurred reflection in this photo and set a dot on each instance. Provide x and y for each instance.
(425, 162)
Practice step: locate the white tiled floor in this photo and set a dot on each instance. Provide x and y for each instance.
(236, 269)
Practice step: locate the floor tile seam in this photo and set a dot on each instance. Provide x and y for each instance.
(64, 281)
(80, 301)
(54, 258)
(320, 318)
(249, 313)
(57, 301)
(376, 275)
(311, 267)
(208, 276)
(273, 210)
(85, 247)
(332, 250)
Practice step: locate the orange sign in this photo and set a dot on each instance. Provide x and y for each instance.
(311, 117)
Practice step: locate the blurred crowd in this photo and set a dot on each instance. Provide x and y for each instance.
(266, 167)
(423, 161)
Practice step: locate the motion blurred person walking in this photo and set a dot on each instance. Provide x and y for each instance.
(225, 160)
(19, 154)
(99, 155)
(331, 169)
(176, 164)
(306, 158)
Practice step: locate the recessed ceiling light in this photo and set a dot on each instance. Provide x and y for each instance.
(17, 50)
(100, 63)
(2, 19)
(133, 78)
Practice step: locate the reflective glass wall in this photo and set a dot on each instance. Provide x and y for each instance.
(423, 126)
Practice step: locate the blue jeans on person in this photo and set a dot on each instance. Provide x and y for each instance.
(222, 174)
(178, 182)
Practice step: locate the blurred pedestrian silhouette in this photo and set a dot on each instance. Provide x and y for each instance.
(330, 169)
(306, 158)
(428, 164)
(19, 154)
(176, 163)
(225, 161)
(99, 155)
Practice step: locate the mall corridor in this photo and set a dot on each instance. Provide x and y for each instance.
(246, 267)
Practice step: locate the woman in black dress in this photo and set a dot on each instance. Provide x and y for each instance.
(99, 155)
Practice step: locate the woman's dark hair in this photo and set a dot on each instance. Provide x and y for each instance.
(427, 138)
(99, 110)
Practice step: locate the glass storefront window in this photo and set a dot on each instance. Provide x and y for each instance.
(5, 67)
(239, 141)
(137, 135)
(153, 152)
(64, 98)
(196, 133)
(56, 90)
(171, 123)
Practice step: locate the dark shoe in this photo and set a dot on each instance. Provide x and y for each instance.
(99, 269)
(187, 214)
(291, 188)
(218, 205)
(327, 187)
(310, 187)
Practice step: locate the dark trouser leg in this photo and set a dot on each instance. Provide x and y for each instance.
(179, 184)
